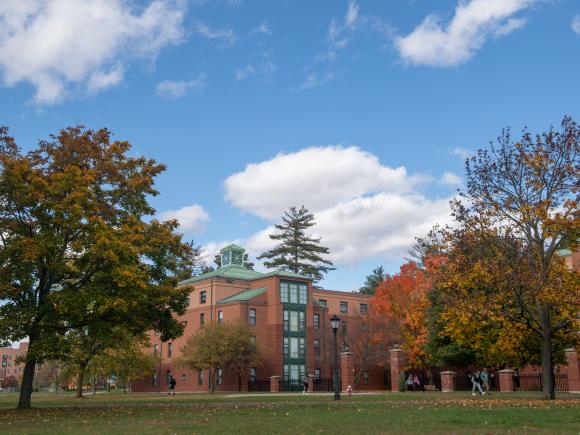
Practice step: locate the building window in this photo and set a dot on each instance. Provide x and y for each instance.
(293, 293)
(286, 347)
(220, 316)
(366, 377)
(202, 297)
(294, 372)
(253, 376)
(155, 349)
(201, 320)
(184, 323)
(303, 294)
(317, 321)
(154, 379)
(252, 316)
(199, 376)
(323, 302)
(253, 339)
(183, 377)
(344, 328)
(218, 378)
(188, 299)
(302, 342)
(169, 350)
(4, 360)
(316, 346)
(284, 292)
(364, 308)
(316, 373)
(294, 321)
(344, 307)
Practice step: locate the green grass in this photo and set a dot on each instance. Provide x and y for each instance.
(291, 414)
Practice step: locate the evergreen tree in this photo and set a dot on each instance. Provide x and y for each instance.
(373, 280)
(192, 265)
(297, 251)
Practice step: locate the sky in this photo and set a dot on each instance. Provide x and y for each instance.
(362, 111)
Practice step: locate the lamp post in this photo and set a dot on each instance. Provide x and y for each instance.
(334, 322)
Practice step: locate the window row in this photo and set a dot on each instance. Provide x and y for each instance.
(294, 321)
(293, 293)
(294, 372)
(294, 347)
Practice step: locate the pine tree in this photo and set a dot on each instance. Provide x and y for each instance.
(373, 280)
(298, 251)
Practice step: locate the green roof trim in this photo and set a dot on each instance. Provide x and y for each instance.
(233, 247)
(320, 304)
(239, 272)
(246, 295)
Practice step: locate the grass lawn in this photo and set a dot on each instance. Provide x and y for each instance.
(291, 413)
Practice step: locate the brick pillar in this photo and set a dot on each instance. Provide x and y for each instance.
(274, 384)
(311, 383)
(573, 371)
(397, 366)
(448, 381)
(347, 370)
(506, 380)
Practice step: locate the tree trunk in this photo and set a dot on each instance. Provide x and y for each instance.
(26, 386)
(80, 380)
(95, 380)
(547, 363)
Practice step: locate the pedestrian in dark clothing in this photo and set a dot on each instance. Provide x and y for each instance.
(172, 384)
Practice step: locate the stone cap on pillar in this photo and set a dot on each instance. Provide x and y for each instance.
(448, 372)
(346, 353)
(507, 371)
(274, 377)
(396, 349)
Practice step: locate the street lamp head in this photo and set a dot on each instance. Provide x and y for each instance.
(334, 322)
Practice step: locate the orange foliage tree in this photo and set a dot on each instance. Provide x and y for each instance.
(403, 299)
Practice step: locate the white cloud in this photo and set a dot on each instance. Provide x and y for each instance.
(192, 218)
(363, 209)
(263, 29)
(450, 179)
(176, 89)
(265, 68)
(63, 46)
(317, 177)
(462, 153)
(576, 24)
(225, 36)
(314, 80)
(351, 14)
(473, 23)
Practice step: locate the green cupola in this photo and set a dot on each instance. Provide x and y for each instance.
(232, 255)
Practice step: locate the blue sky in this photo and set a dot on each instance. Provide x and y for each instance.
(361, 110)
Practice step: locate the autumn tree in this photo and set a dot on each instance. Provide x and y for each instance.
(505, 287)
(373, 280)
(297, 251)
(226, 346)
(403, 299)
(78, 247)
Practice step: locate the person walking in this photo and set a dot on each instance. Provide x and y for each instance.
(410, 383)
(485, 380)
(416, 383)
(171, 385)
(305, 384)
(476, 382)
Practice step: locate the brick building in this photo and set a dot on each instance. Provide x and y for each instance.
(10, 368)
(289, 319)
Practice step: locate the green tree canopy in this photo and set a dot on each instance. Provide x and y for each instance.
(373, 280)
(297, 251)
(226, 346)
(79, 251)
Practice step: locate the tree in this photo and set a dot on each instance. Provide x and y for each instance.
(192, 265)
(505, 286)
(298, 251)
(225, 346)
(247, 263)
(78, 250)
(403, 299)
(369, 340)
(373, 280)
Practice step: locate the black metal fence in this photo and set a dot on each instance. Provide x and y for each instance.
(262, 386)
(291, 385)
(533, 382)
(324, 385)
